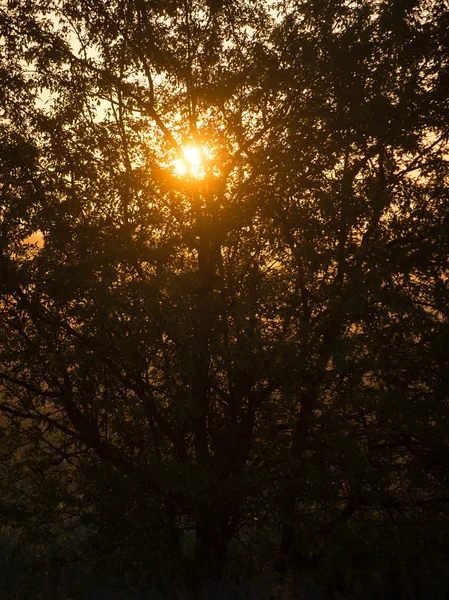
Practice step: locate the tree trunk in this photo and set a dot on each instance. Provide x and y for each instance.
(212, 536)
(288, 551)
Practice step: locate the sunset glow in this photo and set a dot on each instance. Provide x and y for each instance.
(192, 162)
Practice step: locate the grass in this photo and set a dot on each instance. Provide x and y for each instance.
(25, 575)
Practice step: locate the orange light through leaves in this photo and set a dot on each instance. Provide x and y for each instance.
(192, 162)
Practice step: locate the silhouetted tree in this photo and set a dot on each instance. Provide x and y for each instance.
(253, 343)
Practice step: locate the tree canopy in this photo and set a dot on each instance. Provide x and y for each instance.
(254, 346)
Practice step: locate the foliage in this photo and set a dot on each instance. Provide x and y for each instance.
(256, 350)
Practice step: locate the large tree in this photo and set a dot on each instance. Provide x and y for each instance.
(224, 234)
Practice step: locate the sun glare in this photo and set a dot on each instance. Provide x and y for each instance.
(192, 162)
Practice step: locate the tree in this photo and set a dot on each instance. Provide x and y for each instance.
(256, 338)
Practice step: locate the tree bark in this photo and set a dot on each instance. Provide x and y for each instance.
(214, 531)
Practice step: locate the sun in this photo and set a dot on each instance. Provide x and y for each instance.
(192, 162)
